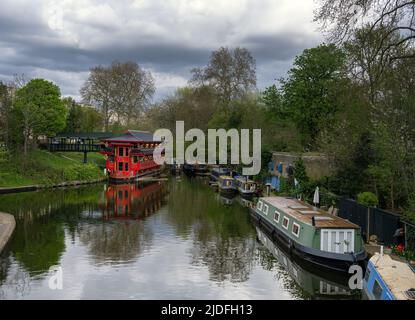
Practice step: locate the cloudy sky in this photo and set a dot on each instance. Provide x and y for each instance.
(61, 39)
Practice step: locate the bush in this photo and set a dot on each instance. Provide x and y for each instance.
(368, 199)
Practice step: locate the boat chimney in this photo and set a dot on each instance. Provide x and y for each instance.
(381, 251)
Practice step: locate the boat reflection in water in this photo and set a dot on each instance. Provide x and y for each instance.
(132, 201)
(226, 199)
(318, 284)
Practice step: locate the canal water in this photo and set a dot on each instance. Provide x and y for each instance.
(165, 240)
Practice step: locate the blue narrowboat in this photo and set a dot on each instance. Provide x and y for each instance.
(389, 278)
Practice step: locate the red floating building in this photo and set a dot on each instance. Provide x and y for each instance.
(130, 155)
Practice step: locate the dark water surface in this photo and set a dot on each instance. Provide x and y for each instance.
(171, 240)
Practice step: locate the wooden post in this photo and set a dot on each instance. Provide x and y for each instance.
(85, 157)
(368, 225)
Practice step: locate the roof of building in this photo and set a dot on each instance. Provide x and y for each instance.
(134, 136)
(84, 135)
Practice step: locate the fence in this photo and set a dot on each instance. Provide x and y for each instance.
(409, 236)
(373, 221)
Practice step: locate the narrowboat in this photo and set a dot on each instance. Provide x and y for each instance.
(217, 172)
(314, 235)
(388, 278)
(246, 187)
(196, 169)
(227, 184)
(315, 282)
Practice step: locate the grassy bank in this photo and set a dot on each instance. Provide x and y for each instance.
(42, 167)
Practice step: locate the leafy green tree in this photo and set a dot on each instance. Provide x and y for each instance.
(310, 90)
(39, 110)
(81, 118)
(273, 100)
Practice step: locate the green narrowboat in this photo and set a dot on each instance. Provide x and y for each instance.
(313, 234)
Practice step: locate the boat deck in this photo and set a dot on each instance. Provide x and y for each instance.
(304, 213)
(397, 274)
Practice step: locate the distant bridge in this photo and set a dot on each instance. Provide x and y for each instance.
(77, 142)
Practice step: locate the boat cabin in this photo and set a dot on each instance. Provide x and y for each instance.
(227, 183)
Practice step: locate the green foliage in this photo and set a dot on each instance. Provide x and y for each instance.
(45, 168)
(39, 108)
(311, 88)
(81, 118)
(368, 198)
(272, 98)
(81, 172)
(300, 172)
(409, 212)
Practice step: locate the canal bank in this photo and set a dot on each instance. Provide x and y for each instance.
(7, 226)
(4, 190)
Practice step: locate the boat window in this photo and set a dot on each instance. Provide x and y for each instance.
(296, 229)
(121, 152)
(265, 209)
(259, 206)
(277, 216)
(377, 290)
(285, 222)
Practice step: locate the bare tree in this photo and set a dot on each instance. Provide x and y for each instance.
(230, 72)
(341, 18)
(132, 91)
(97, 92)
(121, 91)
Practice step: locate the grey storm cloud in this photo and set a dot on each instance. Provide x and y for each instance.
(168, 39)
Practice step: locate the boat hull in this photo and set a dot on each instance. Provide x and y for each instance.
(114, 180)
(227, 191)
(332, 261)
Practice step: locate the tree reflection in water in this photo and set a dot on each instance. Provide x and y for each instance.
(223, 238)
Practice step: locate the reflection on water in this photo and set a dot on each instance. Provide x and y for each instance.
(141, 241)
